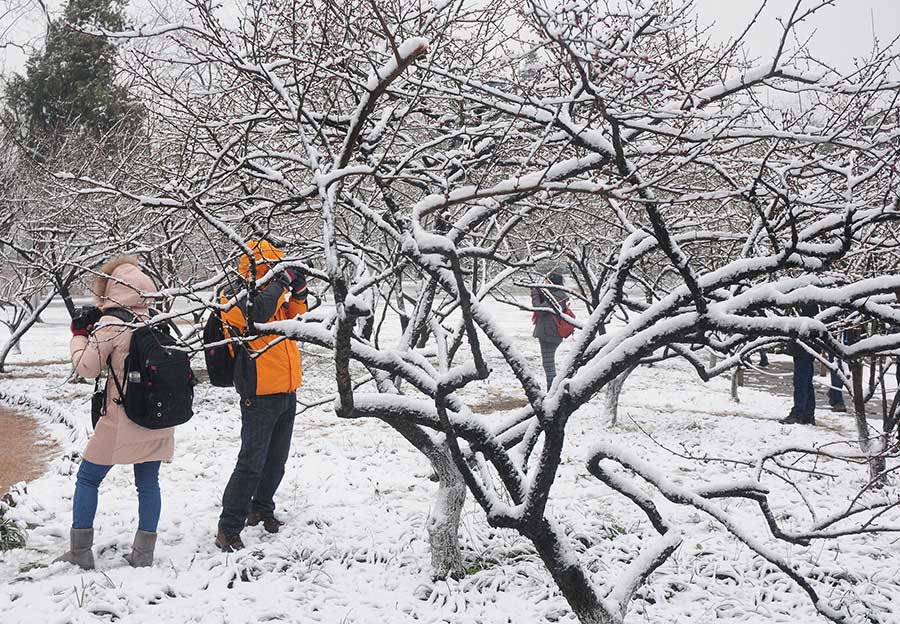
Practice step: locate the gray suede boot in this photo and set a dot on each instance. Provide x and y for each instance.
(80, 543)
(142, 550)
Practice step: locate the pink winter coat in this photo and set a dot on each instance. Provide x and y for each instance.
(117, 440)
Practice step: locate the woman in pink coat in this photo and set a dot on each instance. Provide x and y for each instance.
(116, 439)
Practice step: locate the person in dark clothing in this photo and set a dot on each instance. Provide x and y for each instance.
(545, 328)
(804, 410)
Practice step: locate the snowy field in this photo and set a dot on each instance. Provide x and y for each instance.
(356, 497)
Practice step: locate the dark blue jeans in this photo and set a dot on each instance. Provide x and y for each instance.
(87, 484)
(804, 394)
(267, 424)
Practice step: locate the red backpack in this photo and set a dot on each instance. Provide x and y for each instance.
(563, 327)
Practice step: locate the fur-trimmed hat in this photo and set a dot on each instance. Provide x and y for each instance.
(121, 282)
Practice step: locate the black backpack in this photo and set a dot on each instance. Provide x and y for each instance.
(159, 382)
(220, 356)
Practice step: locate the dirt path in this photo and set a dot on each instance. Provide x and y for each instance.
(25, 450)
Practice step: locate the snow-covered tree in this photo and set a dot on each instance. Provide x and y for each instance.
(436, 155)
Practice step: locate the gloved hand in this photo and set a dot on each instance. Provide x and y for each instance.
(84, 320)
(298, 283)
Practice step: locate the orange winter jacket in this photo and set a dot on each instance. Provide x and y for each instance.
(270, 364)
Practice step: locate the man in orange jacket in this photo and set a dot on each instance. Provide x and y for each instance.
(267, 374)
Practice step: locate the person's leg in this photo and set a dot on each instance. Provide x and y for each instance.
(276, 457)
(87, 484)
(257, 422)
(808, 400)
(797, 380)
(146, 480)
(548, 360)
(84, 508)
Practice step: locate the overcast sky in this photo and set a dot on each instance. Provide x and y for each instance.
(842, 32)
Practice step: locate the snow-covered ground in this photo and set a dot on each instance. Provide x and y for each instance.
(356, 497)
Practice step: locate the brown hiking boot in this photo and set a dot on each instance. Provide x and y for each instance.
(270, 523)
(228, 543)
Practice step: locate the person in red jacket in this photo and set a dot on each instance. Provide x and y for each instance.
(267, 374)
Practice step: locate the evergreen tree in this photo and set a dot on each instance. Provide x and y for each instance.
(70, 85)
(68, 113)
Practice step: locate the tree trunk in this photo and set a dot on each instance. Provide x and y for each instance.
(443, 520)
(367, 325)
(737, 380)
(35, 303)
(570, 577)
(66, 294)
(23, 327)
(613, 392)
(877, 463)
(877, 467)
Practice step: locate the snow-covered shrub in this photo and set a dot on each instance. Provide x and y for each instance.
(12, 534)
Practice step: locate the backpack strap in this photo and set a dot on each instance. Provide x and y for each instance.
(122, 314)
(128, 317)
(109, 372)
(115, 379)
(230, 330)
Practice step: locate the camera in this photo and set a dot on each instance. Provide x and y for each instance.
(86, 316)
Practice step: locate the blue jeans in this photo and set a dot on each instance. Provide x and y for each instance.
(267, 424)
(804, 394)
(87, 482)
